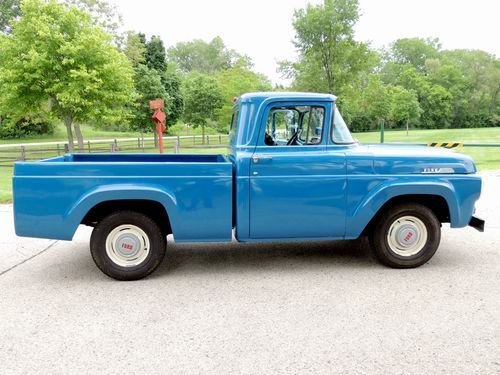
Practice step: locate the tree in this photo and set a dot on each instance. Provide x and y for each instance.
(414, 51)
(172, 84)
(9, 10)
(329, 57)
(155, 57)
(135, 48)
(148, 86)
(202, 100)
(208, 58)
(104, 14)
(57, 55)
(155, 54)
(236, 81)
(404, 106)
(377, 99)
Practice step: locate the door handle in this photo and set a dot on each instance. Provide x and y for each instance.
(261, 159)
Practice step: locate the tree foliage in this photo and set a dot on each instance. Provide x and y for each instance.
(412, 83)
(329, 57)
(234, 82)
(9, 11)
(58, 59)
(148, 86)
(208, 58)
(156, 54)
(202, 99)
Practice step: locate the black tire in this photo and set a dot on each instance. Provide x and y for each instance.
(385, 245)
(147, 261)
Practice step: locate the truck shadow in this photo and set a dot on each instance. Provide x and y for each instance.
(220, 257)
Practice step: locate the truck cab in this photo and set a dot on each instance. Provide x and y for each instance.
(293, 172)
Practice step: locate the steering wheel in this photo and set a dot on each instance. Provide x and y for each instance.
(294, 138)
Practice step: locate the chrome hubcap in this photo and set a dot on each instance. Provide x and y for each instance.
(407, 236)
(127, 245)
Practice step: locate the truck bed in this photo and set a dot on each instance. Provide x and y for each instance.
(53, 196)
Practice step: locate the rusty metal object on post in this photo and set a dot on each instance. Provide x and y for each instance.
(159, 117)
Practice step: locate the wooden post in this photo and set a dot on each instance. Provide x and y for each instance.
(58, 151)
(88, 146)
(23, 153)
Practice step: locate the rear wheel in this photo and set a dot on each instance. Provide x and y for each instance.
(406, 236)
(127, 245)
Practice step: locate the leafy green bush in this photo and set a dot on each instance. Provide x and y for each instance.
(212, 127)
(25, 126)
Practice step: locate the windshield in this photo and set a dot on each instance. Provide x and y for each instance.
(340, 131)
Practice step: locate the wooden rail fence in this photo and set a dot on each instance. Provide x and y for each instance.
(176, 144)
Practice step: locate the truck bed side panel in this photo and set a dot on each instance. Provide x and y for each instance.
(51, 199)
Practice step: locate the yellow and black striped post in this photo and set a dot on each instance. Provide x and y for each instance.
(445, 144)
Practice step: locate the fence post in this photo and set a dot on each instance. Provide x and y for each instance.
(116, 145)
(220, 139)
(176, 146)
(194, 140)
(382, 126)
(88, 145)
(23, 153)
(66, 148)
(208, 139)
(58, 151)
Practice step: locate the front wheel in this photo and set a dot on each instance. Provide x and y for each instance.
(406, 236)
(127, 245)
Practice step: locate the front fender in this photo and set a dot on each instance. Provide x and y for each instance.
(361, 214)
(112, 192)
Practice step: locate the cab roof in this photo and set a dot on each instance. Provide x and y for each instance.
(260, 96)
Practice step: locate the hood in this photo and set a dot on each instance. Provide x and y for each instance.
(403, 159)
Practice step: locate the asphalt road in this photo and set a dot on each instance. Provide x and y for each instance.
(308, 308)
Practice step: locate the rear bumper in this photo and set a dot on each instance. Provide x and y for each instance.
(477, 223)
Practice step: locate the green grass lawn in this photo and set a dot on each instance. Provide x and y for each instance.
(88, 133)
(485, 158)
(60, 135)
(5, 185)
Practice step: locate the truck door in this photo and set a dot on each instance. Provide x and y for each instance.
(297, 187)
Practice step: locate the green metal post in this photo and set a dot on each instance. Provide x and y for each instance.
(382, 125)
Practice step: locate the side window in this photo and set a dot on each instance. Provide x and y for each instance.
(294, 126)
(234, 123)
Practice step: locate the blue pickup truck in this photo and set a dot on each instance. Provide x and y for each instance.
(293, 172)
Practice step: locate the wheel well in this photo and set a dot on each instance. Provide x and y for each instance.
(435, 203)
(153, 209)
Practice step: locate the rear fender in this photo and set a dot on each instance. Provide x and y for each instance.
(105, 193)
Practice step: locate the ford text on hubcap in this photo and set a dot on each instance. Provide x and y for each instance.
(407, 236)
(127, 245)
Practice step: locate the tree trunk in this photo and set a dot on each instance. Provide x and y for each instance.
(69, 131)
(79, 136)
(68, 122)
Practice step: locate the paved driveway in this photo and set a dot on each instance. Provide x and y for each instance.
(317, 308)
